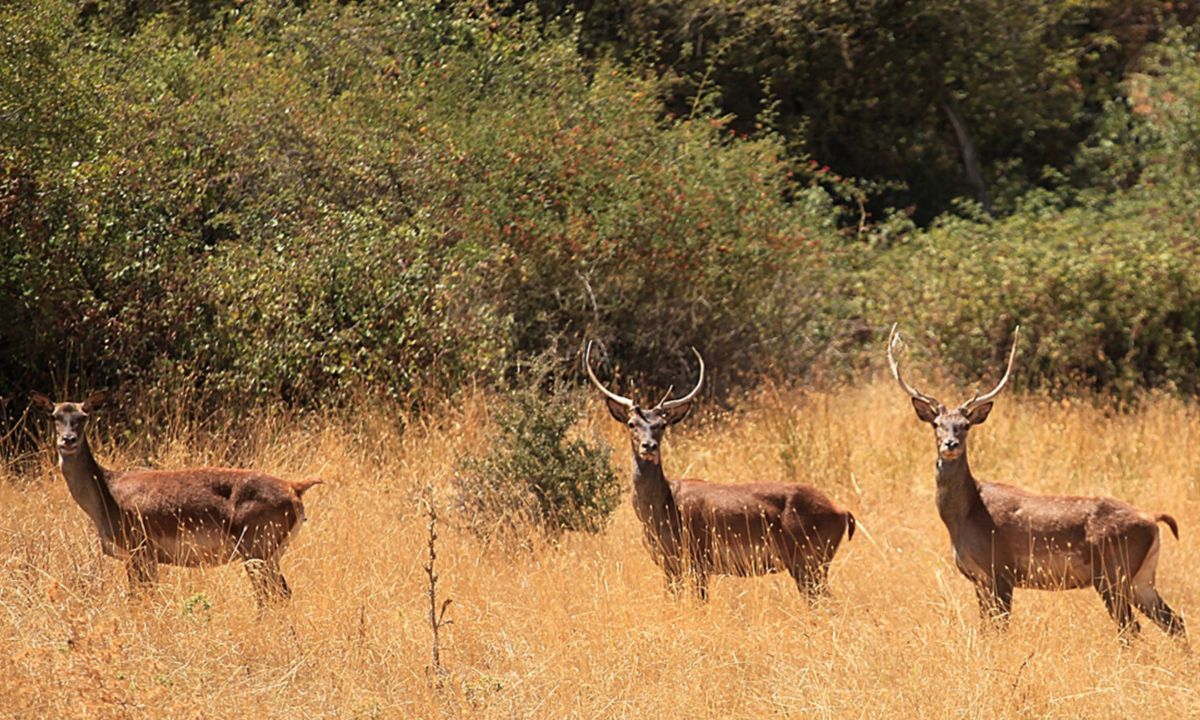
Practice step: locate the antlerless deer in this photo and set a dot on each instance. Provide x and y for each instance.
(745, 529)
(194, 517)
(1004, 537)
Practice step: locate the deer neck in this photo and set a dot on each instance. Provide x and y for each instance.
(957, 491)
(653, 500)
(88, 483)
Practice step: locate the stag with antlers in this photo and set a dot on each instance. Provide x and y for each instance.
(707, 528)
(1004, 537)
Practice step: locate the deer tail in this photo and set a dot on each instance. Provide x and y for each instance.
(850, 525)
(1169, 522)
(299, 486)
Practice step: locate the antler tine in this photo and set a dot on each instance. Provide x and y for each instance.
(666, 404)
(670, 389)
(893, 339)
(587, 364)
(1012, 355)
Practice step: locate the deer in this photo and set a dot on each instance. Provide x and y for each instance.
(196, 517)
(1004, 537)
(727, 529)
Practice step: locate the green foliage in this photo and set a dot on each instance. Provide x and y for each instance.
(196, 608)
(1107, 293)
(1107, 300)
(302, 202)
(535, 474)
(314, 202)
(863, 86)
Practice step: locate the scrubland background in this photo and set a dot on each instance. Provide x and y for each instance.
(337, 238)
(296, 203)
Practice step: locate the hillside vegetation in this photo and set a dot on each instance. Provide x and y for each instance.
(246, 203)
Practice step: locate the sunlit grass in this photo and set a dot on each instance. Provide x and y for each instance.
(585, 629)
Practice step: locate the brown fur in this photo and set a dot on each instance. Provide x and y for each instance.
(1005, 537)
(194, 517)
(745, 529)
(758, 528)
(1169, 522)
(1012, 538)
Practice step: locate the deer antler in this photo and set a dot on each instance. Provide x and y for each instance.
(1012, 355)
(893, 340)
(608, 393)
(666, 404)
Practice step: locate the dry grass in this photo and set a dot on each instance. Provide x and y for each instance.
(585, 629)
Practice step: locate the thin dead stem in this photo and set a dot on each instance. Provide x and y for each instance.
(437, 617)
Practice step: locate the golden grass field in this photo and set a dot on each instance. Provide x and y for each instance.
(585, 628)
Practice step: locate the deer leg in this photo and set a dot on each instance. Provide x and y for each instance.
(673, 568)
(811, 579)
(821, 578)
(1118, 600)
(256, 571)
(263, 569)
(279, 585)
(260, 543)
(141, 569)
(995, 601)
(269, 583)
(1147, 599)
(700, 582)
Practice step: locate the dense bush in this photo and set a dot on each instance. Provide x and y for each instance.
(535, 475)
(1108, 302)
(300, 202)
(312, 202)
(1108, 294)
(867, 87)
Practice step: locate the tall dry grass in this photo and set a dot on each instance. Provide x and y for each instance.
(585, 629)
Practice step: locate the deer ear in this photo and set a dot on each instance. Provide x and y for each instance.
(925, 411)
(619, 411)
(42, 402)
(677, 413)
(94, 401)
(977, 415)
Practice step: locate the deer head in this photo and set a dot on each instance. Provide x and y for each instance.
(646, 426)
(950, 425)
(70, 419)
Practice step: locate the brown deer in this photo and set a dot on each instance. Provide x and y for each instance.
(745, 529)
(194, 517)
(1004, 537)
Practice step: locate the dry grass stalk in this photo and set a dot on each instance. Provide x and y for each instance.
(899, 638)
(437, 617)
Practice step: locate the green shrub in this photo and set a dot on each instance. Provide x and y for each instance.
(534, 474)
(303, 202)
(1106, 300)
(863, 86)
(1107, 293)
(317, 202)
